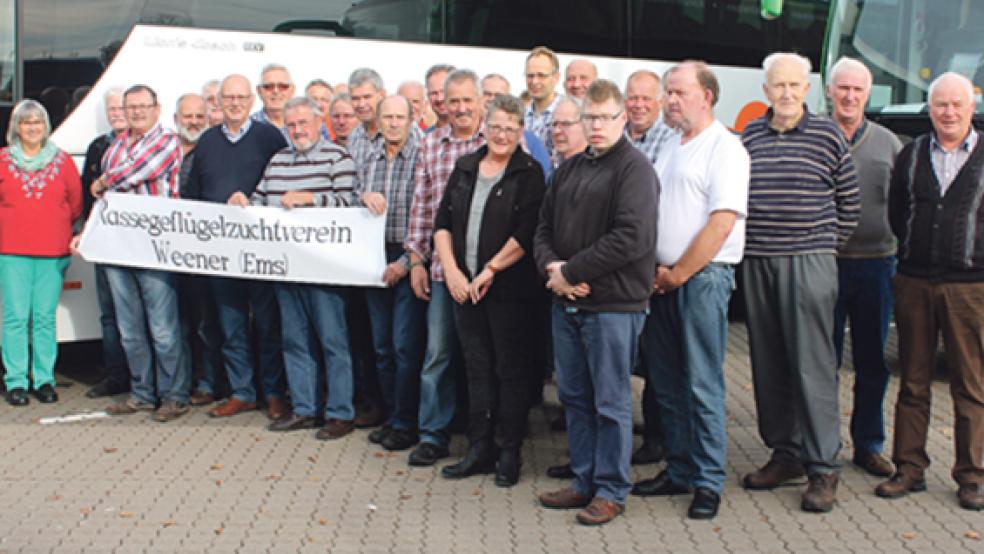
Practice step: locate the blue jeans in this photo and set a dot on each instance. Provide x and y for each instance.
(147, 300)
(397, 318)
(593, 357)
(114, 359)
(686, 337)
(437, 392)
(200, 326)
(865, 297)
(233, 299)
(314, 318)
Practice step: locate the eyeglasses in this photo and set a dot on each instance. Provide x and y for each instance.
(541, 76)
(591, 118)
(235, 98)
(562, 124)
(139, 107)
(282, 87)
(502, 130)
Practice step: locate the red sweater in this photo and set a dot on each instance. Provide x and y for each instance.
(37, 208)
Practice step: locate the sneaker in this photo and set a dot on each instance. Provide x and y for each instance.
(130, 406)
(169, 411)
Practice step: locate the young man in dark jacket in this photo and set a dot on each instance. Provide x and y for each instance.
(596, 242)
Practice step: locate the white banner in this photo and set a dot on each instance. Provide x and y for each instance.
(339, 246)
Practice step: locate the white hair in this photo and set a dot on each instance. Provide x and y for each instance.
(273, 67)
(848, 64)
(950, 75)
(112, 91)
(775, 57)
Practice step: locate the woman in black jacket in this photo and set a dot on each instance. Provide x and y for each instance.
(484, 237)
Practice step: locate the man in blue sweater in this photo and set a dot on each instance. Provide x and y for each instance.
(229, 162)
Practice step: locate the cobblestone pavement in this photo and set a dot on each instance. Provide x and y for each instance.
(128, 484)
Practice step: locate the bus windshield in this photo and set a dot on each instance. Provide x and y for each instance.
(906, 44)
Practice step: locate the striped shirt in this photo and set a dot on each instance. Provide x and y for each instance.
(438, 153)
(650, 142)
(804, 196)
(150, 166)
(539, 123)
(325, 169)
(394, 179)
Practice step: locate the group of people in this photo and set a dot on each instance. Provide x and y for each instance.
(629, 208)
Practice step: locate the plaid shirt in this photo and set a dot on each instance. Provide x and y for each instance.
(435, 161)
(539, 123)
(262, 116)
(652, 140)
(150, 166)
(361, 146)
(394, 179)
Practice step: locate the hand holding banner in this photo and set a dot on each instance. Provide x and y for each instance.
(339, 246)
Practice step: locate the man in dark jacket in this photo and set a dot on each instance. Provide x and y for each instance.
(596, 243)
(936, 209)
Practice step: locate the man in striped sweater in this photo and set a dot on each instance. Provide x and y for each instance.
(803, 203)
(315, 172)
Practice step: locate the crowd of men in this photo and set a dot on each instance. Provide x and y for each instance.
(651, 203)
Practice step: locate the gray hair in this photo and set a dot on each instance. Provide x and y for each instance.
(112, 91)
(459, 75)
(438, 68)
(211, 83)
(177, 105)
(319, 83)
(573, 102)
(303, 102)
(848, 64)
(774, 57)
(24, 109)
(496, 76)
(401, 97)
(509, 105)
(967, 84)
(365, 75)
(343, 97)
(273, 67)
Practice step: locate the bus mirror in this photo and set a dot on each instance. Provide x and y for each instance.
(771, 9)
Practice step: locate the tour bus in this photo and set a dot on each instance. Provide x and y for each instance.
(66, 53)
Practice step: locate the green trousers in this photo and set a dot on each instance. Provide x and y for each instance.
(30, 287)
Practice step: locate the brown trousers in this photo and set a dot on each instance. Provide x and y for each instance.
(922, 310)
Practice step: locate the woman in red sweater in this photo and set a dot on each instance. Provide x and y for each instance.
(40, 197)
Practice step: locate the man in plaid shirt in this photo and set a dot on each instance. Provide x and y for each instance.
(146, 159)
(440, 150)
(386, 182)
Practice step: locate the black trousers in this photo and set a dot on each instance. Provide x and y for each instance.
(495, 340)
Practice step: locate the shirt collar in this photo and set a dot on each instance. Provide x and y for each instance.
(859, 132)
(968, 144)
(242, 130)
(449, 134)
(801, 125)
(531, 109)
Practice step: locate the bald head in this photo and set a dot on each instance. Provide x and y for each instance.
(578, 77)
(236, 99)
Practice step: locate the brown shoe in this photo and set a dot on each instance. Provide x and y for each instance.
(169, 411)
(874, 464)
(771, 475)
(564, 499)
(200, 398)
(900, 485)
(334, 429)
(231, 407)
(971, 496)
(821, 494)
(368, 414)
(277, 408)
(599, 512)
(129, 406)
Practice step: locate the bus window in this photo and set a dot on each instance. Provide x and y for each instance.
(576, 26)
(8, 43)
(727, 32)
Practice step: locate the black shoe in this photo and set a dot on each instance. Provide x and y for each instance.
(479, 459)
(661, 485)
(427, 454)
(559, 423)
(293, 422)
(46, 394)
(649, 453)
(562, 471)
(104, 389)
(17, 397)
(704, 505)
(507, 472)
(377, 435)
(399, 439)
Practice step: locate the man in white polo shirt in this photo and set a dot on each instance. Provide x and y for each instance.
(704, 174)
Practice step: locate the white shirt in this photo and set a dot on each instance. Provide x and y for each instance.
(707, 174)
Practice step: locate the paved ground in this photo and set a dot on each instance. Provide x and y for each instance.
(200, 485)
